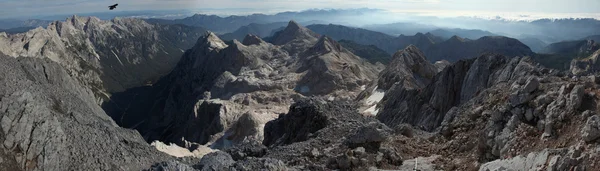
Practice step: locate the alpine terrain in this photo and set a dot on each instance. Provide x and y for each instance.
(263, 92)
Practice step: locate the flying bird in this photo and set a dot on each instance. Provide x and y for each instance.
(112, 6)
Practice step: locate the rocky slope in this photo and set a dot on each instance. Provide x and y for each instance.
(216, 83)
(497, 108)
(49, 121)
(108, 56)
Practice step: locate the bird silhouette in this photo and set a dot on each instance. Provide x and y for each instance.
(112, 6)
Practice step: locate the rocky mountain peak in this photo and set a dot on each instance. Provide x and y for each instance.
(326, 44)
(252, 40)
(211, 41)
(456, 38)
(409, 64)
(294, 32)
(293, 25)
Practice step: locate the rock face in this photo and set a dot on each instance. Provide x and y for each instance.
(49, 121)
(426, 106)
(107, 56)
(254, 77)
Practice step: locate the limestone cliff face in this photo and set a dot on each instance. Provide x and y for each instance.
(107, 56)
(49, 121)
(426, 106)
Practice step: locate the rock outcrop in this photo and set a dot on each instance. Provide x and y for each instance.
(586, 66)
(426, 106)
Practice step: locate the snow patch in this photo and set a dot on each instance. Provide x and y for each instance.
(113, 52)
(373, 100)
(372, 110)
(376, 96)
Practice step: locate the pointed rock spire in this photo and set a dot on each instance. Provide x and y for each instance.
(211, 41)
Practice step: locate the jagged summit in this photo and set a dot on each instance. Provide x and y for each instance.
(211, 40)
(294, 32)
(410, 65)
(293, 25)
(252, 40)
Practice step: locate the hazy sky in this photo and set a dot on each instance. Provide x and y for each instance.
(19, 8)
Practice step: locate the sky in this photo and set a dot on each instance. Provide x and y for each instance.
(565, 8)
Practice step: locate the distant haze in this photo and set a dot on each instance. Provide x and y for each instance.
(510, 9)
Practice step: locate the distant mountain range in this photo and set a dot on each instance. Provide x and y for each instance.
(31, 23)
(229, 24)
(465, 33)
(434, 47)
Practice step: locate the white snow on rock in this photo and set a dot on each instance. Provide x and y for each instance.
(372, 101)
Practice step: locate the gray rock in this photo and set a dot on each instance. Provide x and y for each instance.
(531, 85)
(533, 161)
(49, 121)
(576, 97)
(215, 161)
(529, 115)
(587, 113)
(358, 151)
(266, 164)
(591, 130)
(370, 136)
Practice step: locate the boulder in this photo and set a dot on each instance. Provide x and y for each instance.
(591, 130)
(576, 97)
(370, 136)
(215, 161)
